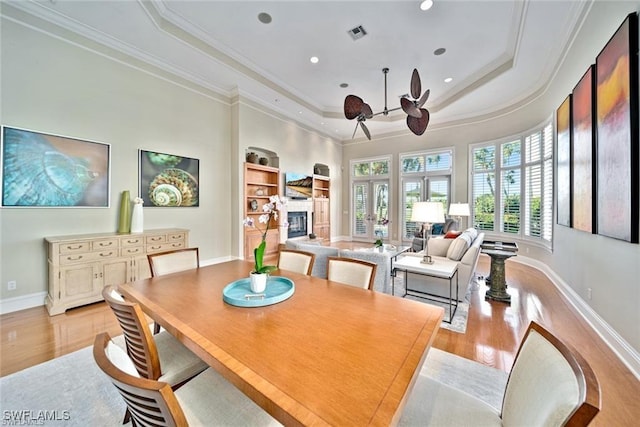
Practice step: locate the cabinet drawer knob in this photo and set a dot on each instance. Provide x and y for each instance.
(105, 244)
(155, 239)
(109, 254)
(71, 258)
(155, 247)
(73, 248)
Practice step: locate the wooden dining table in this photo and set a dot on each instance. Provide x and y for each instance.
(330, 354)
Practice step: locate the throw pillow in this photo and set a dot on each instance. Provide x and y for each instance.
(452, 234)
(458, 247)
(436, 229)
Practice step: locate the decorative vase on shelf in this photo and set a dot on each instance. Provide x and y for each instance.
(137, 218)
(258, 282)
(124, 222)
(264, 161)
(252, 157)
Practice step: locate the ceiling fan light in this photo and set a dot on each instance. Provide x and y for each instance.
(426, 4)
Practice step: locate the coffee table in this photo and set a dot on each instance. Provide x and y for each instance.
(441, 268)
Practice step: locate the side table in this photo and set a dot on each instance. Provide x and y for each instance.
(498, 289)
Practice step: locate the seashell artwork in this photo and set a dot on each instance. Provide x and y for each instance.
(47, 170)
(168, 180)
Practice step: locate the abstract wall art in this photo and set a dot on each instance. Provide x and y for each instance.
(168, 180)
(46, 170)
(617, 172)
(583, 149)
(563, 138)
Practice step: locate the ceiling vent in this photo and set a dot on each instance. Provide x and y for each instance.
(357, 32)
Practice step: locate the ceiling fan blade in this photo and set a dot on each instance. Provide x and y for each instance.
(416, 87)
(354, 131)
(352, 106)
(424, 98)
(367, 111)
(366, 130)
(418, 125)
(409, 108)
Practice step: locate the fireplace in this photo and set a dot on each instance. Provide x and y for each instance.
(297, 223)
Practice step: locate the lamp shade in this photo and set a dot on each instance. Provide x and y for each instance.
(431, 212)
(459, 209)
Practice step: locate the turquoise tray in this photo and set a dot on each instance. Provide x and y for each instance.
(278, 289)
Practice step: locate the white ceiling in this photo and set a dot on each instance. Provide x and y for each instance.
(500, 54)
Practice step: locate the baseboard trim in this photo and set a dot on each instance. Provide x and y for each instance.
(9, 305)
(629, 356)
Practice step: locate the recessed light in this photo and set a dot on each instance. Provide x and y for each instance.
(439, 51)
(314, 59)
(448, 80)
(344, 85)
(426, 4)
(264, 17)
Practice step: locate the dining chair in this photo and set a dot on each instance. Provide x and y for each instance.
(550, 384)
(349, 271)
(208, 399)
(295, 260)
(168, 262)
(156, 357)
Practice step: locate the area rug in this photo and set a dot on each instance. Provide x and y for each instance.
(72, 391)
(459, 321)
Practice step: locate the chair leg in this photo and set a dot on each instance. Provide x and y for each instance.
(127, 417)
(156, 328)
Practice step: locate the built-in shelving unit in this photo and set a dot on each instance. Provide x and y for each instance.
(260, 182)
(321, 207)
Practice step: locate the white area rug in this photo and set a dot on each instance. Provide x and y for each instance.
(73, 389)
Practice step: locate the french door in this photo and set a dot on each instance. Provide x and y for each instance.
(370, 209)
(435, 189)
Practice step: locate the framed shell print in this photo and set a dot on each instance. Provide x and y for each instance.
(168, 180)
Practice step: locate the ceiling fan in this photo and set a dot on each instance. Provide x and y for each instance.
(417, 117)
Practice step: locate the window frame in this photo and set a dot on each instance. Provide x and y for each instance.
(546, 130)
(423, 177)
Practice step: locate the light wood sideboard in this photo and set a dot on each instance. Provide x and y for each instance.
(81, 265)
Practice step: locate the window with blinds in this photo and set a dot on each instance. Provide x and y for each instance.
(512, 185)
(425, 176)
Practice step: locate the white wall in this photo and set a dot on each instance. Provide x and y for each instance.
(54, 86)
(611, 268)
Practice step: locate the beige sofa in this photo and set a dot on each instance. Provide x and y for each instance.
(465, 249)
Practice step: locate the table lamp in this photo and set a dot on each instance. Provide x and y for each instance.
(428, 213)
(459, 210)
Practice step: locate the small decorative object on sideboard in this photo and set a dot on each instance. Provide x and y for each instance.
(260, 272)
(263, 161)
(124, 222)
(254, 205)
(259, 191)
(137, 219)
(252, 157)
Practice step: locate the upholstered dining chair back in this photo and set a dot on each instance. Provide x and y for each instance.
(162, 263)
(141, 346)
(149, 402)
(295, 260)
(354, 272)
(550, 384)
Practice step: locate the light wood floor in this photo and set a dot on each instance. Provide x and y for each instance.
(493, 334)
